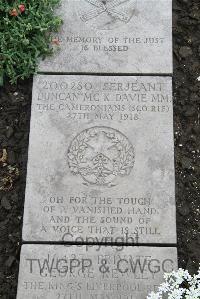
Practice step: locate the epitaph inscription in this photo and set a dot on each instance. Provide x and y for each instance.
(101, 160)
(92, 272)
(113, 36)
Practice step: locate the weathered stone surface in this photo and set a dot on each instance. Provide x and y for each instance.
(113, 36)
(80, 272)
(101, 160)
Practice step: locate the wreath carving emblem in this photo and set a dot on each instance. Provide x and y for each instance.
(100, 155)
(106, 14)
(105, 6)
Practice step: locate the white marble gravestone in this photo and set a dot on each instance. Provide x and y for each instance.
(101, 156)
(80, 272)
(101, 160)
(113, 36)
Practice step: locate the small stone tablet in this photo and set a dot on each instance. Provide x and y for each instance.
(80, 272)
(113, 36)
(101, 160)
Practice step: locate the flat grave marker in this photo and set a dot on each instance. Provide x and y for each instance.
(101, 156)
(101, 160)
(97, 272)
(113, 36)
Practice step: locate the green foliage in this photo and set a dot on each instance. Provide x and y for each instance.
(25, 27)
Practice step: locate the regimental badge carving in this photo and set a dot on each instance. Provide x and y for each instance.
(106, 13)
(100, 155)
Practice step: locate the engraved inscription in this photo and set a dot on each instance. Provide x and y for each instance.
(78, 272)
(112, 36)
(105, 172)
(100, 154)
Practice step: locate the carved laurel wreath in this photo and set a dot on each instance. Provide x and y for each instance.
(123, 163)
